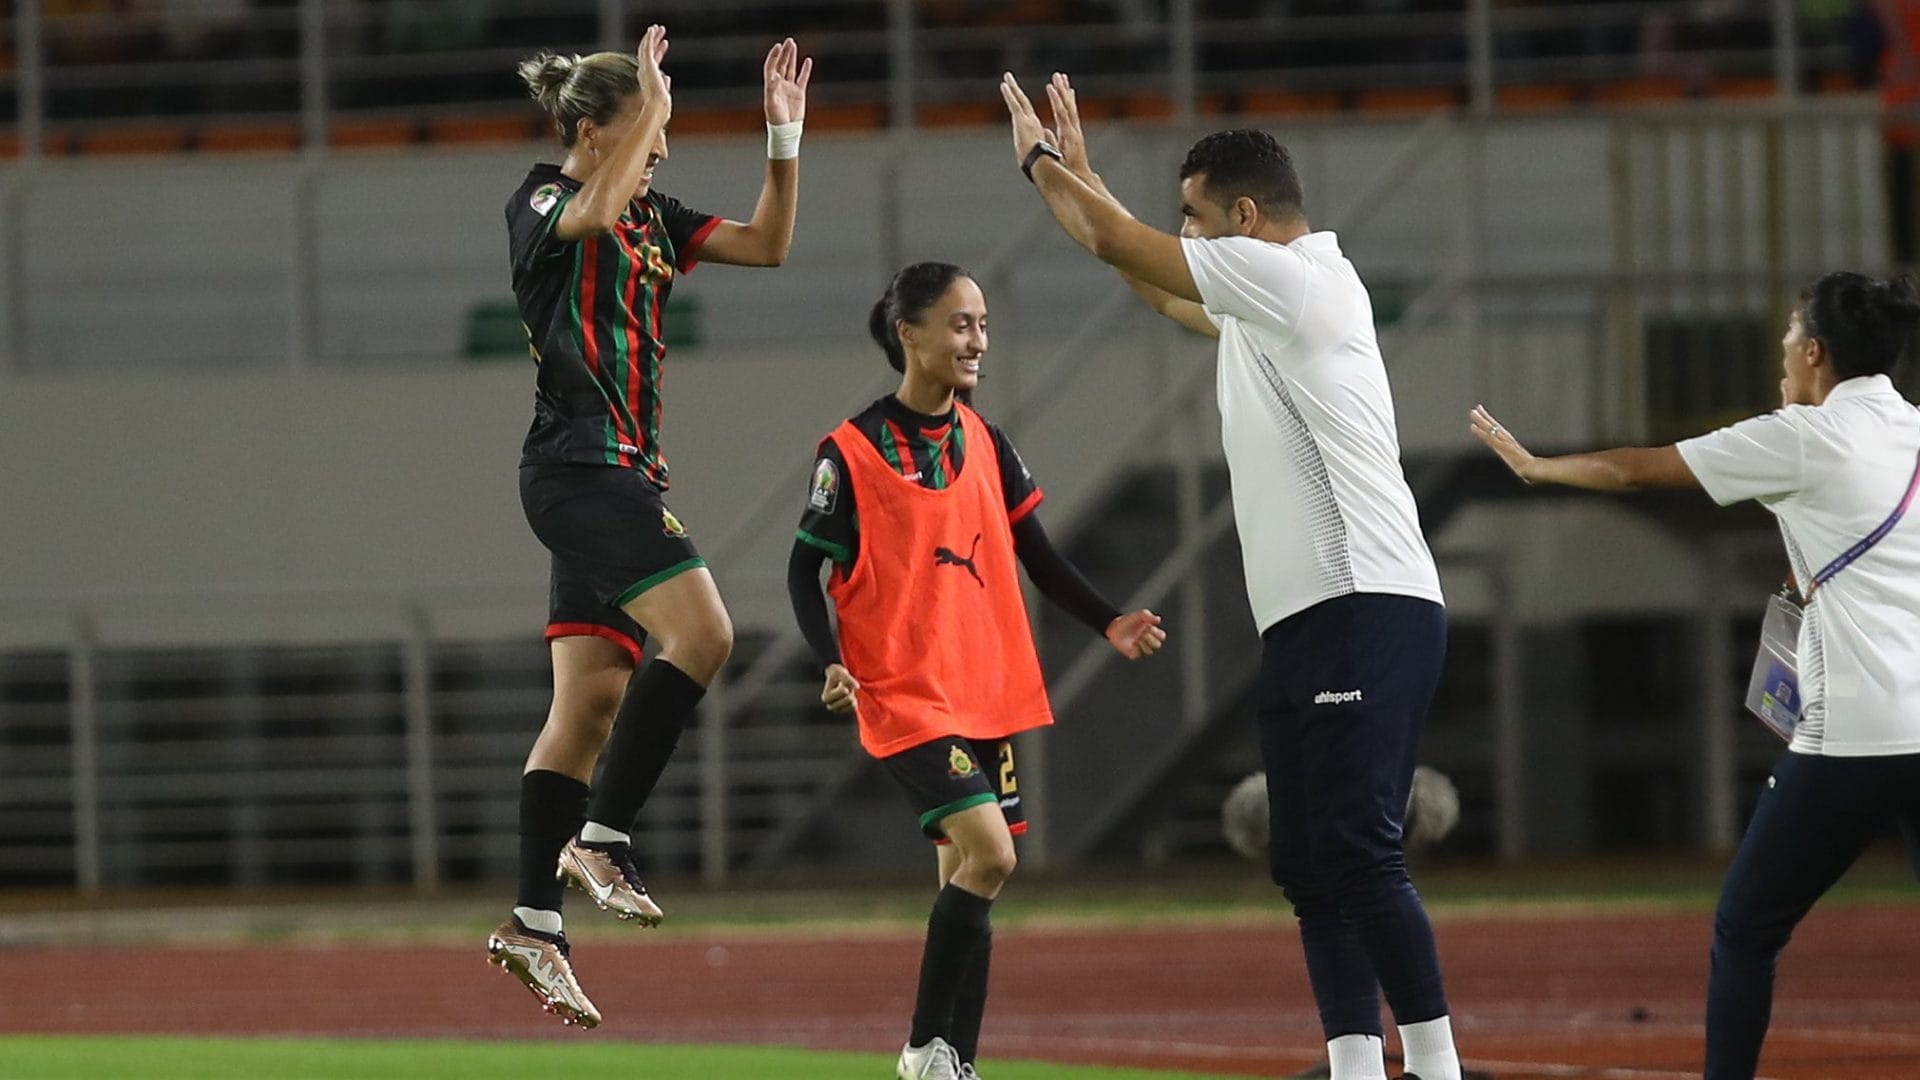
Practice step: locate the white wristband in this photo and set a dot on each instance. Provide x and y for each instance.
(783, 140)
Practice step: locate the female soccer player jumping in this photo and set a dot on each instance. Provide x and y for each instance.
(595, 251)
(923, 507)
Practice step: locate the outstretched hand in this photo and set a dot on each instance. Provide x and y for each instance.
(1027, 128)
(786, 83)
(1500, 441)
(654, 83)
(1066, 121)
(1136, 634)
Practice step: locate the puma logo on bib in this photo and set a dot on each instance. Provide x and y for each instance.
(946, 557)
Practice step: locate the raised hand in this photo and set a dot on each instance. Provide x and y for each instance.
(838, 693)
(654, 83)
(1136, 634)
(1027, 128)
(1066, 122)
(1500, 441)
(786, 83)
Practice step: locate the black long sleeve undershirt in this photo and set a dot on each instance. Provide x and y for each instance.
(1057, 579)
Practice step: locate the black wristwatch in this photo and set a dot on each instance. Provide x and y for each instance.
(1040, 149)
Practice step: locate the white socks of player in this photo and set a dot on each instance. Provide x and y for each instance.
(595, 833)
(1358, 1057)
(546, 922)
(1429, 1051)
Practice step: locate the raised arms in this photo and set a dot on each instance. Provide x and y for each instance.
(765, 239)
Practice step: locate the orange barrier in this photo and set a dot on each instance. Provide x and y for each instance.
(481, 128)
(859, 116)
(936, 114)
(1147, 107)
(1648, 91)
(371, 132)
(353, 131)
(249, 137)
(1542, 97)
(717, 121)
(1289, 102)
(1743, 87)
(1407, 99)
(144, 139)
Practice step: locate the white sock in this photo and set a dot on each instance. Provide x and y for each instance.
(1428, 1046)
(1358, 1057)
(596, 833)
(547, 922)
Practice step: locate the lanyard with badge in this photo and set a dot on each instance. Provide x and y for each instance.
(1773, 691)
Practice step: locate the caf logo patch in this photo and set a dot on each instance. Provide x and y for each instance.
(825, 491)
(958, 763)
(671, 525)
(544, 197)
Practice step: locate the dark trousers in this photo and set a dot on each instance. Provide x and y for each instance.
(1344, 689)
(1815, 816)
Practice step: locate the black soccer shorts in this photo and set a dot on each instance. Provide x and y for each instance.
(954, 773)
(611, 537)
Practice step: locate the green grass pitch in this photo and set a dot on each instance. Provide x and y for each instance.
(104, 1057)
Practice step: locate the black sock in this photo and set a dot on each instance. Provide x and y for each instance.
(952, 932)
(971, 1004)
(552, 806)
(659, 701)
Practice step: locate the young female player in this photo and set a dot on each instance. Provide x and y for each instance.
(923, 506)
(595, 251)
(1839, 465)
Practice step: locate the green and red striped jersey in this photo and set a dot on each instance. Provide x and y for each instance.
(592, 312)
(929, 450)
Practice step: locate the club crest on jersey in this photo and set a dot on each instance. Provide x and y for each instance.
(825, 491)
(544, 198)
(671, 525)
(959, 764)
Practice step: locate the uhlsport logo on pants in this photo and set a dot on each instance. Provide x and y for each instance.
(1336, 697)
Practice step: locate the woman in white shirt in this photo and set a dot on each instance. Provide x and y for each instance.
(1839, 465)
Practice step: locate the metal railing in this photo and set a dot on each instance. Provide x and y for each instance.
(325, 61)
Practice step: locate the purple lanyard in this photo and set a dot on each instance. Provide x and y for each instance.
(1852, 554)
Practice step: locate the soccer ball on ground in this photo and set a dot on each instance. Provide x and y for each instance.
(1433, 809)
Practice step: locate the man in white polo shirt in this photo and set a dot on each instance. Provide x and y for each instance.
(1342, 585)
(1839, 466)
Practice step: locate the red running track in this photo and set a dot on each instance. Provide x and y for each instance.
(1615, 995)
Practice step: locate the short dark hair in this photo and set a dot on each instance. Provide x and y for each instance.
(1247, 164)
(911, 292)
(1865, 324)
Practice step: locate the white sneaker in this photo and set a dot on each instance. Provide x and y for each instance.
(966, 1071)
(934, 1061)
